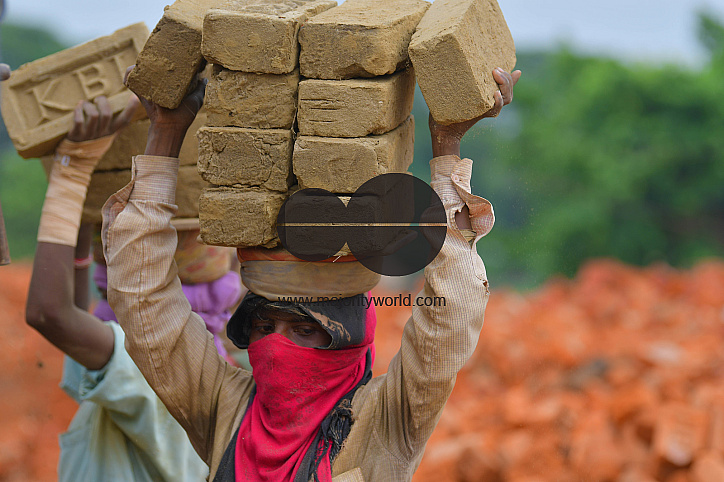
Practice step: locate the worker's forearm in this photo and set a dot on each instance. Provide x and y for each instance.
(164, 141)
(51, 288)
(51, 311)
(82, 266)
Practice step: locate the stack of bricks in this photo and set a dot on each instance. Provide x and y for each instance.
(349, 91)
(307, 94)
(246, 148)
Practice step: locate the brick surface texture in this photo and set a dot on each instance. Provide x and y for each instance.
(456, 46)
(359, 38)
(167, 66)
(258, 38)
(355, 107)
(243, 99)
(239, 217)
(350, 162)
(247, 157)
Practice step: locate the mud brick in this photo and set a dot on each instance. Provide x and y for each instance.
(247, 157)
(242, 99)
(258, 38)
(167, 66)
(39, 98)
(680, 433)
(239, 217)
(131, 141)
(355, 107)
(456, 46)
(341, 165)
(359, 38)
(105, 183)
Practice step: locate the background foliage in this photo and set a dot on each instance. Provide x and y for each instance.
(594, 158)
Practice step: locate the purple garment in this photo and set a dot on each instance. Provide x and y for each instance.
(103, 309)
(211, 301)
(104, 312)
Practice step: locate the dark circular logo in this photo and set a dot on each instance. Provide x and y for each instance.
(394, 224)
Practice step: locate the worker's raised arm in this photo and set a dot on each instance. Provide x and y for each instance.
(54, 307)
(447, 315)
(169, 343)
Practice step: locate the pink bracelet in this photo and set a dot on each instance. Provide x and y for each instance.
(83, 263)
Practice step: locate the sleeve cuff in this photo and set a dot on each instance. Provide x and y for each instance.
(451, 181)
(154, 179)
(452, 167)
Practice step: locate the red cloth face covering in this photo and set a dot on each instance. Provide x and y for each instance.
(296, 388)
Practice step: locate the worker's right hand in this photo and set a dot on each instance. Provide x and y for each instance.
(93, 120)
(169, 126)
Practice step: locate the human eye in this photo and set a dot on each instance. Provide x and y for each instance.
(306, 330)
(262, 326)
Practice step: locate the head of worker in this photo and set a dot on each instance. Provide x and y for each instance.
(308, 359)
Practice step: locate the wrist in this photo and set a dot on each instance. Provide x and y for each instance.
(445, 146)
(165, 140)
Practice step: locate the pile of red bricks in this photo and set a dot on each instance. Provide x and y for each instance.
(616, 375)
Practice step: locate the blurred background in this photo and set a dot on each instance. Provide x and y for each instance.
(600, 357)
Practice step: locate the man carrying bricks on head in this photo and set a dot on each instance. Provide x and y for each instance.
(122, 431)
(310, 410)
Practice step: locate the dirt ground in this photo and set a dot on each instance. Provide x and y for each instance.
(617, 375)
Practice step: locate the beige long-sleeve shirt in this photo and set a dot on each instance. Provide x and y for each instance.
(395, 413)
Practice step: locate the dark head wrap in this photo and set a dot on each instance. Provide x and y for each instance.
(342, 318)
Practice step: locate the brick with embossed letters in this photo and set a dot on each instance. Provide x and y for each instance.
(39, 98)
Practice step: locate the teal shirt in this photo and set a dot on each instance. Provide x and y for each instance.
(122, 431)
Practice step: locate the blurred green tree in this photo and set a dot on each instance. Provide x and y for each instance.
(23, 43)
(22, 191)
(20, 44)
